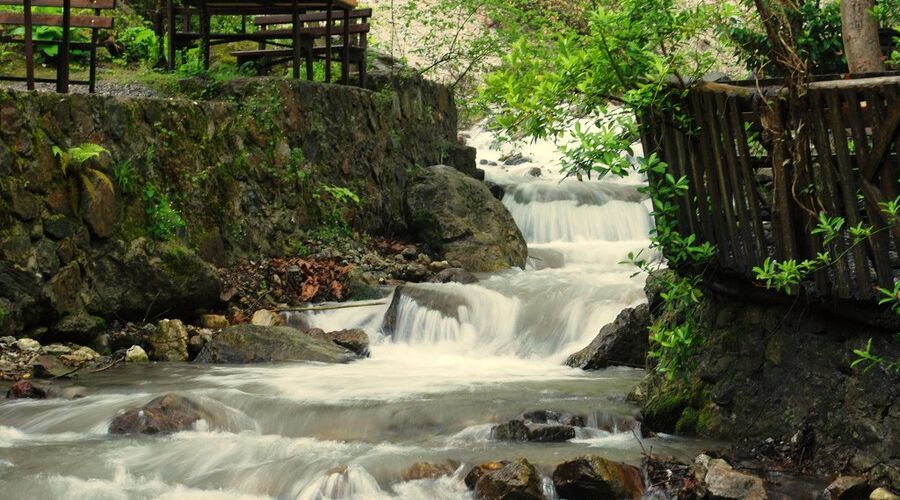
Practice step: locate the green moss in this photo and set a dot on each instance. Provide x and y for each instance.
(180, 260)
(667, 403)
(687, 423)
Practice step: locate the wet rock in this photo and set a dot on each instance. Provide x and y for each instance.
(409, 253)
(514, 430)
(168, 342)
(454, 275)
(478, 471)
(594, 477)
(624, 342)
(515, 159)
(496, 190)
(847, 488)
(355, 340)
(429, 470)
(28, 345)
(553, 417)
(534, 171)
(165, 414)
(517, 430)
(260, 344)
(136, 354)
(724, 483)
(459, 217)
(26, 389)
(213, 321)
(516, 481)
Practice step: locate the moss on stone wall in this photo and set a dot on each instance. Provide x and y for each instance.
(241, 169)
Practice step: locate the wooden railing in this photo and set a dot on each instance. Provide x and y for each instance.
(753, 195)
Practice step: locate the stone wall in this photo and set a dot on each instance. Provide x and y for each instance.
(246, 167)
(783, 371)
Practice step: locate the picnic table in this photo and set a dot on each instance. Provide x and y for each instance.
(205, 9)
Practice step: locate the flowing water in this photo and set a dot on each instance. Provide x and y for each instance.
(469, 357)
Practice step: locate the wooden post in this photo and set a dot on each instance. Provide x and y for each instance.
(92, 75)
(329, 21)
(62, 68)
(295, 31)
(29, 48)
(170, 27)
(204, 34)
(345, 50)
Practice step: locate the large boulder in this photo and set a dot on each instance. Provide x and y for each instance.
(515, 481)
(260, 344)
(459, 217)
(625, 341)
(355, 340)
(596, 478)
(517, 430)
(165, 414)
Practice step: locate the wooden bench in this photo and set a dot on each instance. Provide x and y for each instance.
(205, 9)
(312, 29)
(65, 19)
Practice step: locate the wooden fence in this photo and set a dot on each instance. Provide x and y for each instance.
(753, 196)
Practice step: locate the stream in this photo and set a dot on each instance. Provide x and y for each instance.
(429, 392)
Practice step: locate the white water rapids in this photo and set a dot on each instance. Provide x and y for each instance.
(429, 392)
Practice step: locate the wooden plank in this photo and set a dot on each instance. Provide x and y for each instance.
(29, 46)
(669, 155)
(304, 18)
(719, 233)
(754, 200)
(62, 62)
(76, 4)
(782, 220)
(705, 225)
(737, 187)
(97, 22)
(847, 185)
(830, 191)
(725, 189)
(316, 31)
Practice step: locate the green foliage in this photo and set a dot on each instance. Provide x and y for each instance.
(125, 176)
(163, 220)
(818, 40)
(48, 52)
(140, 44)
(334, 202)
(867, 360)
(295, 165)
(75, 163)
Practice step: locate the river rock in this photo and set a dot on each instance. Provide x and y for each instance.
(355, 340)
(213, 321)
(26, 389)
(80, 356)
(624, 342)
(260, 344)
(595, 478)
(430, 470)
(724, 483)
(264, 317)
(50, 366)
(516, 481)
(883, 494)
(136, 354)
(517, 430)
(553, 417)
(165, 414)
(28, 345)
(847, 488)
(478, 471)
(460, 218)
(454, 275)
(168, 342)
(56, 349)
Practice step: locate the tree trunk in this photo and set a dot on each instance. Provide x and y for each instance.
(859, 29)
